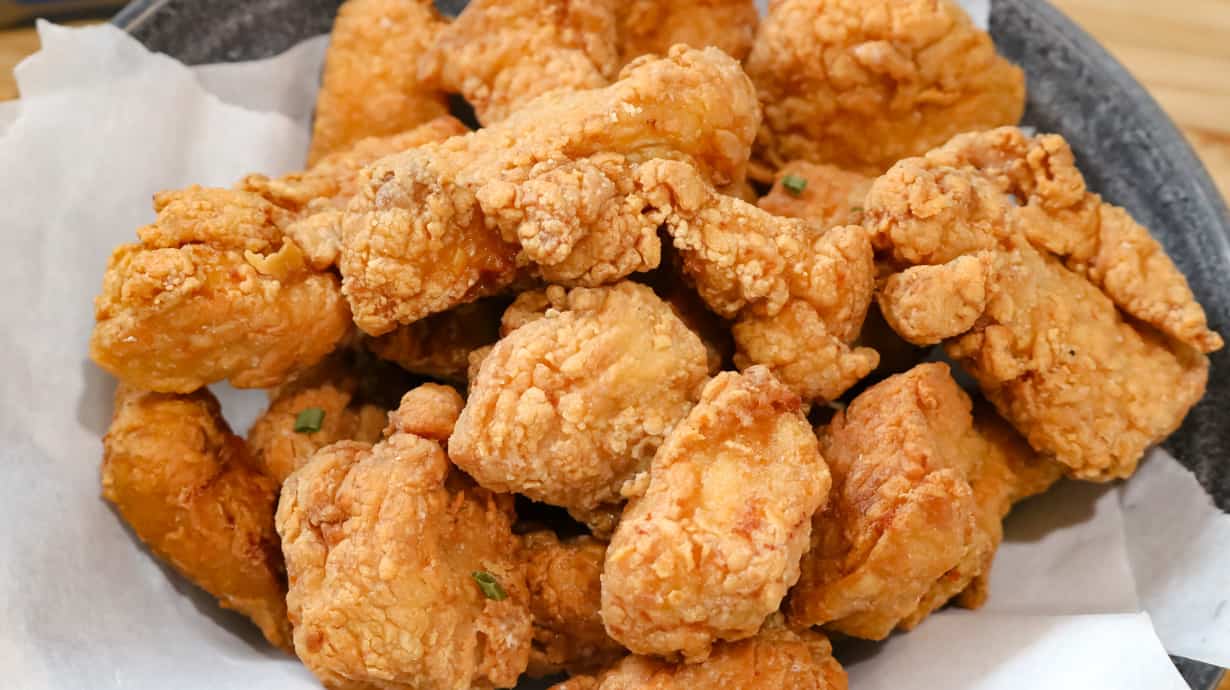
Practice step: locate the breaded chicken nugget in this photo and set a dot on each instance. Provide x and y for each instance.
(440, 345)
(568, 407)
(653, 26)
(861, 84)
(184, 483)
(825, 194)
(711, 538)
(402, 573)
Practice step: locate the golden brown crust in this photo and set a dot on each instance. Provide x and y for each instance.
(862, 84)
(183, 482)
(371, 85)
(775, 658)
(564, 579)
(653, 26)
(568, 407)
(501, 54)
(440, 345)
(381, 544)
(830, 196)
(711, 539)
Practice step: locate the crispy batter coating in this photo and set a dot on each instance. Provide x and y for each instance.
(440, 345)
(653, 26)
(862, 84)
(918, 496)
(501, 54)
(318, 196)
(799, 294)
(549, 188)
(711, 539)
(568, 407)
(775, 658)
(371, 85)
(1047, 347)
(332, 387)
(565, 584)
(214, 291)
(1058, 214)
(183, 482)
(830, 196)
(381, 544)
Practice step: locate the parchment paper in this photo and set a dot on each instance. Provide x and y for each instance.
(1087, 580)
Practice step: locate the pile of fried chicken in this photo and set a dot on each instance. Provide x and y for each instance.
(567, 394)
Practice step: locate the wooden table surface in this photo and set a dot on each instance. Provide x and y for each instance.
(1179, 51)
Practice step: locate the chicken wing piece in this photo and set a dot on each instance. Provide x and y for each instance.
(653, 26)
(325, 398)
(565, 585)
(776, 658)
(905, 531)
(569, 406)
(440, 345)
(711, 538)
(1101, 242)
(825, 194)
(402, 573)
(1047, 347)
(214, 290)
(371, 85)
(799, 294)
(318, 196)
(501, 54)
(184, 483)
(862, 84)
(548, 189)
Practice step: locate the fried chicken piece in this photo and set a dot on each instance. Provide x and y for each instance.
(318, 196)
(215, 290)
(371, 85)
(440, 345)
(564, 579)
(1047, 347)
(653, 26)
(332, 387)
(918, 495)
(501, 54)
(798, 294)
(711, 539)
(569, 406)
(823, 193)
(184, 483)
(383, 547)
(861, 84)
(671, 284)
(776, 658)
(549, 188)
(1101, 242)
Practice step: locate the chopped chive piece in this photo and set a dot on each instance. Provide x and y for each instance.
(308, 420)
(490, 586)
(856, 209)
(794, 184)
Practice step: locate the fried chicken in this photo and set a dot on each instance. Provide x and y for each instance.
(440, 345)
(548, 189)
(861, 84)
(1048, 348)
(184, 483)
(332, 387)
(565, 585)
(571, 405)
(776, 658)
(501, 54)
(402, 573)
(822, 193)
(711, 538)
(919, 491)
(371, 85)
(214, 290)
(798, 294)
(653, 26)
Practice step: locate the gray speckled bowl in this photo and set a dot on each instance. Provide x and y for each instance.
(1127, 147)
